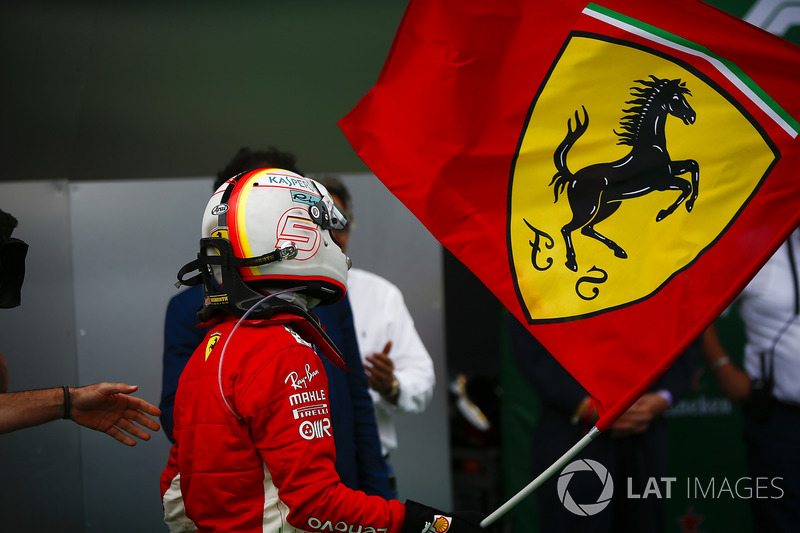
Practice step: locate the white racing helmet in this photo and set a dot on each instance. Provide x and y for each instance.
(268, 230)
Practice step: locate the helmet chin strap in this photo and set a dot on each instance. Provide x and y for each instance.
(233, 296)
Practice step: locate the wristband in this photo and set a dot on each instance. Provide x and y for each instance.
(394, 391)
(667, 395)
(67, 405)
(722, 361)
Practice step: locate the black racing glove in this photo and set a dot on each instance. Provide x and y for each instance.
(423, 519)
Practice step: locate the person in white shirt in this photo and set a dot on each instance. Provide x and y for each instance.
(769, 385)
(398, 366)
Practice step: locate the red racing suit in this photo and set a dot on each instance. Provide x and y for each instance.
(260, 456)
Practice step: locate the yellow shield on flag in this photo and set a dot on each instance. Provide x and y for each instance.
(656, 162)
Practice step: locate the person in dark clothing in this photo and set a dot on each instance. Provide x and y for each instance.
(633, 450)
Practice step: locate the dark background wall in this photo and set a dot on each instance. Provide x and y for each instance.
(140, 89)
(151, 89)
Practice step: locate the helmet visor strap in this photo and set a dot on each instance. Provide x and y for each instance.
(327, 215)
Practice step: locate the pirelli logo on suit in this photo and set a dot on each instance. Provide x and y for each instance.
(310, 410)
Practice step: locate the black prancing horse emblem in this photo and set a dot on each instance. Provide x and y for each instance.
(596, 191)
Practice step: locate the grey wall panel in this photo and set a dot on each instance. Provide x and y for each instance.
(129, 240)
(41, 466)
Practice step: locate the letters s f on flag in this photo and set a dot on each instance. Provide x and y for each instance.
(615, 172)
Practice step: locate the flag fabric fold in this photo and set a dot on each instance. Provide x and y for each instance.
(614, 172)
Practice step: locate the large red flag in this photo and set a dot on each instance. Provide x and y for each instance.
(615, 173)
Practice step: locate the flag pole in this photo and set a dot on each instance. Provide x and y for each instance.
(544, 476)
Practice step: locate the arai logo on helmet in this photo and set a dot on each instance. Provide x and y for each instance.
(219, 209)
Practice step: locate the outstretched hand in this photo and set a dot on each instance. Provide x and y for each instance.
(107, 407)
